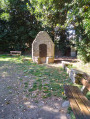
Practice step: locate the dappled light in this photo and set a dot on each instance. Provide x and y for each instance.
(29, 105)
(27, 86)
(15, 59)
(47, 108)
(4, 74)
(44, 59)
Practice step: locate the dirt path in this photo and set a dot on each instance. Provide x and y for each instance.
(14, 104)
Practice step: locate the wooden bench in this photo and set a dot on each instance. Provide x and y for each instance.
(79, 103)
(15, 52)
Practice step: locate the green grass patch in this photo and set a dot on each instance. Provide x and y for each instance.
(20, 79)
(26, 84)
(49, 81)
(71, 113)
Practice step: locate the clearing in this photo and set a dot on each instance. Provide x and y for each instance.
(31, 91)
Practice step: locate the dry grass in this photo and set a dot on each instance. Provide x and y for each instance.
(82, 67)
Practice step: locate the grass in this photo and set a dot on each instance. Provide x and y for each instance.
(71, 66)
(47, 81)
(82, 67)
(71, 113)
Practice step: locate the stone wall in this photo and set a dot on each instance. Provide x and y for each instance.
(74, 74)
(44, 39)
(73, 52)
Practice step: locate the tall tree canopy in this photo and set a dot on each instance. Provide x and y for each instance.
(51, 12)
(79, 16)
(21, 20)
(18, 25)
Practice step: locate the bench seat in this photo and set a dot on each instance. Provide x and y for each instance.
(79, 103)
(15, 52)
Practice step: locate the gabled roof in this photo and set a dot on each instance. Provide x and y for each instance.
(41, 36)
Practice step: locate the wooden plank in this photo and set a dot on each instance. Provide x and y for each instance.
(77, 95)
(85, 83)
(83, 98)
(73, 103)
(15, 52)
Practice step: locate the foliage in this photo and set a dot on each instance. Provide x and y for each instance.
(18, 26)
(61, 40)
(21, 20)
(51, 12)
(79, 16)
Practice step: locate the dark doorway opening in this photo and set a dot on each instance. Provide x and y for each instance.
(43, 50)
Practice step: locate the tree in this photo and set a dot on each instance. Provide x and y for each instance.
(79, 16)
(51, 12)
(21, 20)
(21, 26)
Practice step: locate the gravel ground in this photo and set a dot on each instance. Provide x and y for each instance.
(13, 101)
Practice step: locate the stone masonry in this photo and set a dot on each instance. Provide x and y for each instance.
(43, 48)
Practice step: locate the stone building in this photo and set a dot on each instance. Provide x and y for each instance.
(43, 48)
(73, 52)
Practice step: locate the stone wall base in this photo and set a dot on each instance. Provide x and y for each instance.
(36, 60)
(49, 60)
(40, 60)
